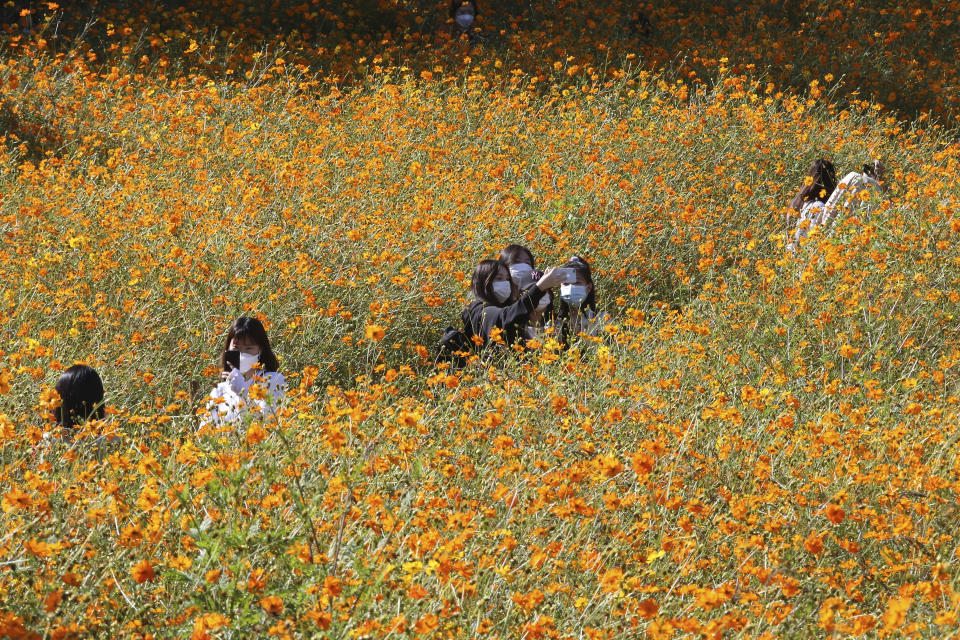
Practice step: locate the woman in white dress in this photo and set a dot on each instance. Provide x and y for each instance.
(810, 202)
(249, 382)
(856, 190)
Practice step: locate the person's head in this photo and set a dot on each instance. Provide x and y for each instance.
(491, 283)
(248, 336)
(521, 264)
(874, 169)
(464, 13)
(81, 396)
(580, 294)
(819, 183)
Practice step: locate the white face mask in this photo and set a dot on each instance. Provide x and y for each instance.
(464, 18)
(573, 294)
(522, 274)
(502, 289)
(544, 302)
(247, 361)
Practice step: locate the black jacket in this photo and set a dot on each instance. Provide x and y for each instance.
(480, 317)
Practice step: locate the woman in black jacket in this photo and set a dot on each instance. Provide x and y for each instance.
(498, 304)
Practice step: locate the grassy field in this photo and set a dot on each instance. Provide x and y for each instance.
(763, 445)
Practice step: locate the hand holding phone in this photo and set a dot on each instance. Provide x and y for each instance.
(552, 277)
(231, 360)
(568, 274)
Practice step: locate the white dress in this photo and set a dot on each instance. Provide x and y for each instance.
(811, 215)
(854, 191)
(230, 399)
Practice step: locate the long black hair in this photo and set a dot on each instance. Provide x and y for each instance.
(252, 329)
(874, 169)
(484, 275)
(580, 265)
(823, 181)
(81, 396)
(515, 254)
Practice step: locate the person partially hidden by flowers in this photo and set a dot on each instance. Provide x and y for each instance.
(577, 310)
(249, 380)
(76, 402)
(81, 398)
(464, 15)
(500, 311)
(810, 202)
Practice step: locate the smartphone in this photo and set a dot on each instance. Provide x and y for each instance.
(569, 275)
(231, 357)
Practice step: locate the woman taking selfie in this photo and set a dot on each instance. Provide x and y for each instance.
(499, 308)
(247, 360)
(522, 265)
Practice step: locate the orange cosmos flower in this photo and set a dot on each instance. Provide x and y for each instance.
(255, 433)
(835, 513)
(142, 572)
(813, 544)
(427, 624)
(15, 499)
(272, 605)
(49, 400)
(896, 613)
(609, 466)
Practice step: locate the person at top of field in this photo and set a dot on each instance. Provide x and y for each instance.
(500, 312)
(464, 14)
(522, 266)
(810, 201)
(577, 312)
(249, 380)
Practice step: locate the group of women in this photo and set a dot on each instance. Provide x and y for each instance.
(514, 304)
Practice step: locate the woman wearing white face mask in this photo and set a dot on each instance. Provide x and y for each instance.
(577, 311)
(499, 304)
(522, 265)
(247, 359)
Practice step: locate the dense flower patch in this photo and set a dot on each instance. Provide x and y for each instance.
(762, 444)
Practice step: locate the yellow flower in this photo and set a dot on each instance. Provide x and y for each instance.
(374, 332)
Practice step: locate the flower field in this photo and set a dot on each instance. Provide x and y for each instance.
(762, 445)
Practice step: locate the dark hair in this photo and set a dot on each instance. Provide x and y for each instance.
(515, 254)
(583, 269)
(81, 396)
(481, 283)
(247, 327)
(824, 181)
(874, 169)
